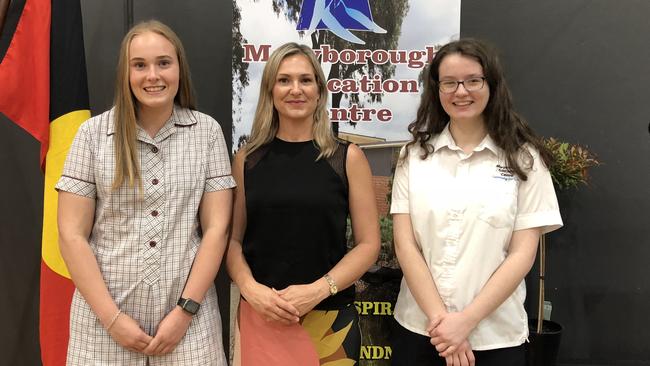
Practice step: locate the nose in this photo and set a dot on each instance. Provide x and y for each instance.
(152, 72)
(462, 91)
(295, 87)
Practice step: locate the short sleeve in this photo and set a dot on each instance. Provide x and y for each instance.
(78, 175)
(400, 192)
(218, 174)
(536, 200)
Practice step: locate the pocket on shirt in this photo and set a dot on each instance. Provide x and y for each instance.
(499, 205)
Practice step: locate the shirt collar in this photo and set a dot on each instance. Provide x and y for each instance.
(444, 139)
(488, 143)
(181, 117)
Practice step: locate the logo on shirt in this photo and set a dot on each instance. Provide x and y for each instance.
(504, 172)
(339, 17)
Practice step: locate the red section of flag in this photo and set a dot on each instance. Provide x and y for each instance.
(56, 292)
(25, 73)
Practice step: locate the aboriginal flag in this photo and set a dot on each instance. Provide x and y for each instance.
(43, 89)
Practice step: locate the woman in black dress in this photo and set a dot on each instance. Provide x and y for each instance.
(296, 186)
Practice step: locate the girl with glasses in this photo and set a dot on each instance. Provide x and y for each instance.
(471, 195)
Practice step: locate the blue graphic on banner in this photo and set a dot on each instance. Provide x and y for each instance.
(338, 16)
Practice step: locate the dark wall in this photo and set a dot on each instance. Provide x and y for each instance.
(580, 71)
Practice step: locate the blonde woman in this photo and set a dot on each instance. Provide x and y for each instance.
(144, 209)
(296, 187)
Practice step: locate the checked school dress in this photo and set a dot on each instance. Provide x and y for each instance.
(145, 242)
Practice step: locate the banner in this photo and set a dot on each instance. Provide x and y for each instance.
(373, 54)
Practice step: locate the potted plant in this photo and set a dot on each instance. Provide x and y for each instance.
(569, 171)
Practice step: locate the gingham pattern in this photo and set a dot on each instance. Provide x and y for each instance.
(145, 243)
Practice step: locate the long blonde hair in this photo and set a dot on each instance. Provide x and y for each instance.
(125, 117)
(266, 121)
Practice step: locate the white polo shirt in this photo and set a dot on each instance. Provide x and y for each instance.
(463, 209)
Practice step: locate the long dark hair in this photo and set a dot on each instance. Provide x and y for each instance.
(508, 129)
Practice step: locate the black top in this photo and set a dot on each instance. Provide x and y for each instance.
(297, 211)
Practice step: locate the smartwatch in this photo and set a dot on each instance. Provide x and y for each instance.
(190, 306)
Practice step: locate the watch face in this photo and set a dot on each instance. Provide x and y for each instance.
(191, 306)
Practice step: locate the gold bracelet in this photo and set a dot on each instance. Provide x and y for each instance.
(330, 281)
(119, 311)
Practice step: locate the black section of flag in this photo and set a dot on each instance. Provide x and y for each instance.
(68, 80)
(14, 12)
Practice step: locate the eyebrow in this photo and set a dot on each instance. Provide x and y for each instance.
(469, 76)
(306, 74)
(157, 58)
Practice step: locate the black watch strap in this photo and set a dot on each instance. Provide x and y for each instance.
(189, 305)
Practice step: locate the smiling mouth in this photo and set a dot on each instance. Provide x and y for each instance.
(462, 104)
(154, 89)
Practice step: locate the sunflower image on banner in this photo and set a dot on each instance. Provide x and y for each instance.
(44, 91)
(322, 338)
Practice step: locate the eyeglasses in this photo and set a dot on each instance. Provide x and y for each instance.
(471, 84)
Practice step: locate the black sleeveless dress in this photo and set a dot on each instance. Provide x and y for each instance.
(297, 210)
